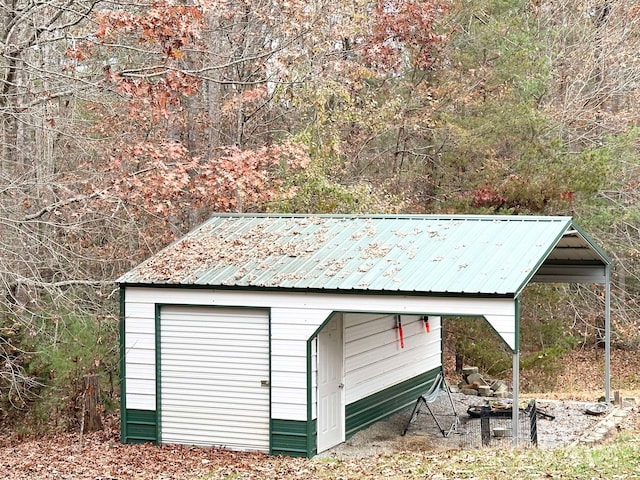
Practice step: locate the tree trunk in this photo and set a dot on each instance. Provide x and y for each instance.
(92, 419)
(459, 362)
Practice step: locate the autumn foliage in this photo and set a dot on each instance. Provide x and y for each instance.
(151, 168)
(166, 180)
(125, 124)
(405, 29)
(165, 25)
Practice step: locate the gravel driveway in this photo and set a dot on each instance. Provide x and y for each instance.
(570, 422)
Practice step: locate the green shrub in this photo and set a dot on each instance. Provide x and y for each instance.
(68, 349)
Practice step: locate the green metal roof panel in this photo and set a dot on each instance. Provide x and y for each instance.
(486, 255)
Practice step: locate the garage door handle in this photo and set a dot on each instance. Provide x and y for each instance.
(341, 385)
(264, 383)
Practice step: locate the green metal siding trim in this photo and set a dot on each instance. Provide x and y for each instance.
(158, 307)
(290, 438)
(310, 435)
(270, 381)
(312, 442)
(380, 405)
(141, 426)
(517, 324)
(123, 385)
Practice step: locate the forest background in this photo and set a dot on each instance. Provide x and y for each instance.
(123, 125)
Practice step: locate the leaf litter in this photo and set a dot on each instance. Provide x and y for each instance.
(101, 456)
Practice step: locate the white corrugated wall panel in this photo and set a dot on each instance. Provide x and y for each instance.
(323, 303)
(374, 359)
(140, 354)
(293, 316)
(290, 329)
(314, 378)
(141, 387)
(506, 326)
(289, 380)
(212, 362)
(140, 341)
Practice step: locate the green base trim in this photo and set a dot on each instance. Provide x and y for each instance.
(290, 438)
(123, 369)
(140, 426)
(380, 405)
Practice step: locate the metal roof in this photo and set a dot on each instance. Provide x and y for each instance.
(428, 254)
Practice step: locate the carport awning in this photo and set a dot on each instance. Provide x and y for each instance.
(415, 254)
(574, 259)
(456, 261)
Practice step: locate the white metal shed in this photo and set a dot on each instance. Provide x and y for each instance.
(288, 333)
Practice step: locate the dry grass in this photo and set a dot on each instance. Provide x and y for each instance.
(581, 378)
(583, 375)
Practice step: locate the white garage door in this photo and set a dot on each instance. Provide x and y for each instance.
(214, 368)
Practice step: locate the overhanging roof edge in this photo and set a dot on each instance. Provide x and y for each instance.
(601, 253)
(542, 258)
(570, 225)
(417, 216)
(339, 291)
(544, 239)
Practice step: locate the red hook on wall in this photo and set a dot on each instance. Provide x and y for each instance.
(400, 333)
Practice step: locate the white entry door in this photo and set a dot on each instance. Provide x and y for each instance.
(331, 428)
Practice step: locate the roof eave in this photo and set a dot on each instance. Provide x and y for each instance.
(601, 253)
(255, 288)
(604, 259)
